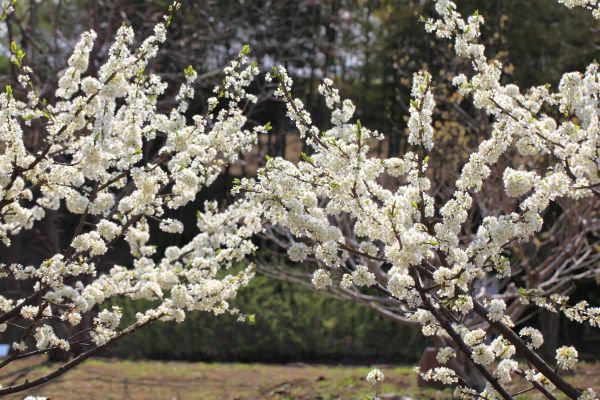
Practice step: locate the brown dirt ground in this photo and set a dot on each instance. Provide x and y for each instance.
(137, 380)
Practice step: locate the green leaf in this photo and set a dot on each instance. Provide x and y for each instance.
(245, 50)
(17, 52)
(189, 70)
(306, 158)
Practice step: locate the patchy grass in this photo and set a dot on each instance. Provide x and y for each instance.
(123, 379)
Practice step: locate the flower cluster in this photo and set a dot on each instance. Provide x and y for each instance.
(593, 5)
(403, 243)
(117, 163)
(566, 357)
(375, 376)
(440, 374)
(580, 312)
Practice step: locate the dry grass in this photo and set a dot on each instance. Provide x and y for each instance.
(117, 379)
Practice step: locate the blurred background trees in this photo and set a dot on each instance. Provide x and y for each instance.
(370, 48)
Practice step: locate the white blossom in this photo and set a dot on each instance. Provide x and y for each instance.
(505, 369)
(444, 354)
(171, 225)
(362, 277)
(496, 309)
(588, 394)
(441, 374)
(298, 252)
(566, 357)
(535, 337)
(375, 376)
(321, 279)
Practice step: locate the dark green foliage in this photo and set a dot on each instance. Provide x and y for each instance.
(292, 324)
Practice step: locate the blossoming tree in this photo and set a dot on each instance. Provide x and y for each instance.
(92, 161)
(553, 262)
(415, 252)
